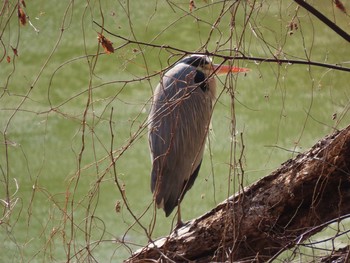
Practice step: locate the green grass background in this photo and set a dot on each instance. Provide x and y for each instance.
(58, 191)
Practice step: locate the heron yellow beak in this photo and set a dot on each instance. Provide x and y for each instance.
(224, 69)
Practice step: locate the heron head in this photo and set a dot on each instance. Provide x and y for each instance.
(204, 64)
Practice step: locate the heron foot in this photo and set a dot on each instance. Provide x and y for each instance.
(179, 224)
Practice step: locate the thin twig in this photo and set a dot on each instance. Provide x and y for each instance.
(301, 237)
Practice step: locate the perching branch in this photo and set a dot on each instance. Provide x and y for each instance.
(276, 213)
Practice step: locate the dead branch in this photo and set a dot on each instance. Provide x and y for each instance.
(340, 255)
(276, 213)
(174, 50)
(324, 19)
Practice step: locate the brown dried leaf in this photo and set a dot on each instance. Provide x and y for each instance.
(192, 5)
(334, 116)
(105, 43)
(23, 3)
(117, 206)
(293, 26)
(15, 51)
(8, 59)
(22, 16)
(340, 5)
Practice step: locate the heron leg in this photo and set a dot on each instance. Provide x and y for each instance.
(179, 221)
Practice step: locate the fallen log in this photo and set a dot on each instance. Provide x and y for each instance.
(274, 214)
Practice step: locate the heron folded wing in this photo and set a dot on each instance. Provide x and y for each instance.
(178, 126)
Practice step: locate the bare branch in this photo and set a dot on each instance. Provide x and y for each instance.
(324, 19)
(276, 213)
(184, 52)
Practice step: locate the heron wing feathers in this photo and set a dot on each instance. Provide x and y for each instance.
(178, 125)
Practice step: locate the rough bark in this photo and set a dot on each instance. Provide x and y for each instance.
(270, 216)
(340, 255)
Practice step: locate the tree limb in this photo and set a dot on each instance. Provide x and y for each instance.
(276, 213)
(324, 19)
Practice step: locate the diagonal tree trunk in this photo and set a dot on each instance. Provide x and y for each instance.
(274, 214)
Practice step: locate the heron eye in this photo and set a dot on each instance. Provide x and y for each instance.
(200, 78)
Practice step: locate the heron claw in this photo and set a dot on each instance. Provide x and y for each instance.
(179, 224)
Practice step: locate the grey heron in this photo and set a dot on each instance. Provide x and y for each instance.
(178, 127)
